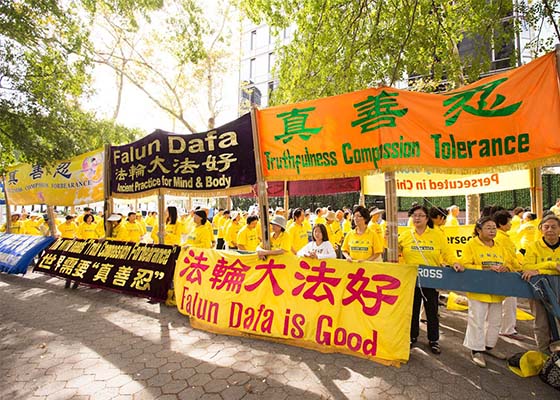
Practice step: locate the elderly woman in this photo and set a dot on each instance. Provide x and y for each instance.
(279, 239)
(361, 244)
(543, 258)
(427, 246)
(483, 252)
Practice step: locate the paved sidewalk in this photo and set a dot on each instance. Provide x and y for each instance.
(58, 343)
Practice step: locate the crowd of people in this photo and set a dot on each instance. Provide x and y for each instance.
(502, 241)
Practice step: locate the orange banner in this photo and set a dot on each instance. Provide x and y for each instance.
(502, 120)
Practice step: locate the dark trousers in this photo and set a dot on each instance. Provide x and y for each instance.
(221, 244)
(431, 307)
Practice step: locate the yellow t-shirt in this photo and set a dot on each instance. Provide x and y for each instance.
(362, 247)
(476, 255)
(249, 238)
(68, 230)
(130, 232)
(200, 237)
(298, 236)
(540, 256)
(429, 248)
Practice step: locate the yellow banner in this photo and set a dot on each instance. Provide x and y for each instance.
(503, 120)
(457, 236)
(362, 309)
(428, 184)
(71, 182)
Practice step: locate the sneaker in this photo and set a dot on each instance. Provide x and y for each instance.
(478, 359)
(75, 285)
(434, 347)
(413, 341)
(495, 353)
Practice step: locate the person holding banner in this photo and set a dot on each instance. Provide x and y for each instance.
(362, 244)
(425, 245)
(320, 248)
(543, 258)
(483, 252)
(279, 239)
(502, 218)
(199, 235)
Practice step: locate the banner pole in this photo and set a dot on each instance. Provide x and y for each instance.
(286, 198)
(362, 200)
(391, 214)
(8, 208)
(161, 212)
(107, 198)
(261, 184)
(52, 222)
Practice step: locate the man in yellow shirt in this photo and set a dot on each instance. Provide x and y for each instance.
(248, 237)
(68, 228)
(453, 213)
(131, 230)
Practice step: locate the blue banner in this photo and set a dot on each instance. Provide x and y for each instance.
(2, 195)
(18, 251)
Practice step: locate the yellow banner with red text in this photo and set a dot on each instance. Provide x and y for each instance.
(362, 309)
(428, 184)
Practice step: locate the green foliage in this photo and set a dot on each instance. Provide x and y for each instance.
(342, 46)
(44, 73)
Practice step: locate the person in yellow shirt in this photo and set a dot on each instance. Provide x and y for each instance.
(483, 252)
(279, 239)
(320, 216)
(131, 230)
(173, 229)
(248, 236)
(347, 223)
(199, 235)
(334, 231)
(222, 226)
(543, 258)
(297, 231)
(502, 218)
(151, 220)
(527, 232)
(515, 224)
(424, 245)
(68, 228)
(361, 243)
(556, 208)
(16, 226)
(89, 229)
(232, 230)
(452, 216)
(115, 221)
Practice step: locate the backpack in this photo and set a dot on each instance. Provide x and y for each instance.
(550, 373)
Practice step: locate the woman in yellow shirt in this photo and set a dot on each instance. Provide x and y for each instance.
(482, 252)
(361, 244)
(279, 239)
(89, 229)
(68, 228)
(173, 228)
(426, 245)
(199, 235)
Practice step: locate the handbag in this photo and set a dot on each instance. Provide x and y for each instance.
(550, 373)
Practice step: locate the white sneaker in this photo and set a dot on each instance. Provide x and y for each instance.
(496, 354)
(478, 359)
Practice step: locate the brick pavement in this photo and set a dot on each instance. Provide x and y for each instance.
(58, 343)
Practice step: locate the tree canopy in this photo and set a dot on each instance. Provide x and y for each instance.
(44, 73)
(341, 46)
